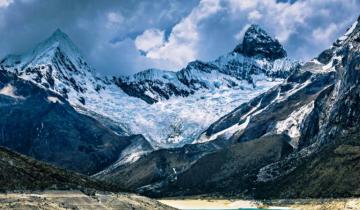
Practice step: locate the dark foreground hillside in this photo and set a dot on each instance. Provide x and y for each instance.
(27, 183)
(19, 172)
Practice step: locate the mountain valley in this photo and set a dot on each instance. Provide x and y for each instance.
(252, 124)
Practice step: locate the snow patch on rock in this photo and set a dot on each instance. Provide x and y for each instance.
(292, 125)
(226, 133)
(348, 32)
(10, 90)
(54, 99)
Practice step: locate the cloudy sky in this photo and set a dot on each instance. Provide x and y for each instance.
(121, 37)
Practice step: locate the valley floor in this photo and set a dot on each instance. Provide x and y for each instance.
(296, 204)
(61, 200)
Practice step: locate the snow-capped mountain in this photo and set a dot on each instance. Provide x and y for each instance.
(169, 108)
(56, 64)
(200, 93)
(261, 58)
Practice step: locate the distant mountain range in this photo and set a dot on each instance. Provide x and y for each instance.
(258, 55)
(188, 100)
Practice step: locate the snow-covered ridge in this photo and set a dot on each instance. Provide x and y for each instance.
(348, 32)
(188, 101)
(334, 54)
(227, 71)
(292, 100)
(257, 55)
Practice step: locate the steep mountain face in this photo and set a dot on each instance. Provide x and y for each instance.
(170, 109)
(41, 124)
(283, 109)
(335, 111)
(311, 123)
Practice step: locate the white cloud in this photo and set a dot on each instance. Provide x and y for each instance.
(181, 47)
(324, 34)
(149, 40)
(5, 3)
(243, 4)
(240, 35)
(213, 25)
(198, 29)
(114, 19)
(284, 16)
(254, 15)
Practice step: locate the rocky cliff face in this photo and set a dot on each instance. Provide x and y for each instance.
(323, 131)
(335, 109)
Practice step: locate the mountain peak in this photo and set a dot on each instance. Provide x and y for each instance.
(257, 43)
(58, 33)
(55, 63)
(256, 28)
(61, 40)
